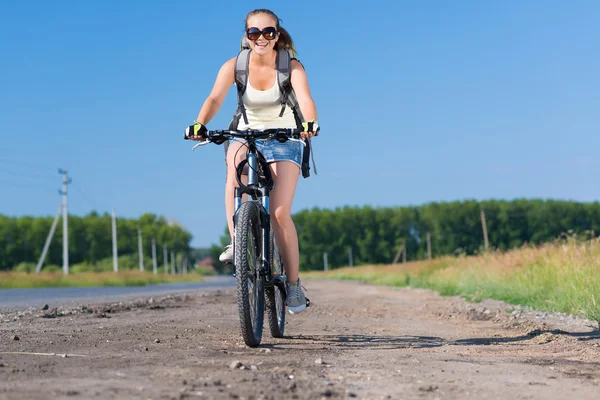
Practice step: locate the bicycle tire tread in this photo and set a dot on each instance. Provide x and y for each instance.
(251, 334)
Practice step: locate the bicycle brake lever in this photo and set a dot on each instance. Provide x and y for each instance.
(202, 143)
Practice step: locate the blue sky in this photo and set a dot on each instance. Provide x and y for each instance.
(418, 102)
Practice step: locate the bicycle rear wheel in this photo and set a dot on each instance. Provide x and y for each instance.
(250, 285)
(275, 295)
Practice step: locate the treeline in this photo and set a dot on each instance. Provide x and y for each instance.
(90, 238)
(375, 235)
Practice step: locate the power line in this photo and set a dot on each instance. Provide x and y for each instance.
(24, 164)
(86, 197)
(27, 175)
(4, 182)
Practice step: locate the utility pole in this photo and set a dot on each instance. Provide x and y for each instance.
(404, 252)
(485, 234)
(114, 241)
(38, 268)
(140, 250)
(166, 258)
(154, 262)
(325, 265)
(64, 193)
(185, 266)
(400, 251)
(350, 261)
(428, 245)
(172, 262)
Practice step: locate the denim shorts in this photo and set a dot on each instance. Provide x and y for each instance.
(272, 150)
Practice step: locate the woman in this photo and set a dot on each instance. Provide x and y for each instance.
(263, 106)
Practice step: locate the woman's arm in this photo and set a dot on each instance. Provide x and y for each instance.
(225, 78)
(300, 85)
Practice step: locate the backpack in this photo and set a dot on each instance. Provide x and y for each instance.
(288, 96)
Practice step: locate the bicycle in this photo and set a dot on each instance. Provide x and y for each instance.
(258, 268)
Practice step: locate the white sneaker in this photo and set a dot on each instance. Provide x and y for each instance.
(227, 255)
(296, 301)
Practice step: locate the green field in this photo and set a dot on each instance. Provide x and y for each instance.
(563, 276)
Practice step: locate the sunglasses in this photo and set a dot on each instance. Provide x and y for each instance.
(268, 33)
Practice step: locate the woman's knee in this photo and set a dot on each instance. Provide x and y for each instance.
(231, 178)
(282, 215)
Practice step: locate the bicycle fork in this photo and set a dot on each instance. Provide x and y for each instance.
(256, 192)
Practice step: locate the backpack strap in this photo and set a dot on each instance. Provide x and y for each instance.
(284, 72)
(241, 79)
(288, 98)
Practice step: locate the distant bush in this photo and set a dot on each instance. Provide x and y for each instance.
(52, 268)
(25, 267)
(204, 270)
(128, 262)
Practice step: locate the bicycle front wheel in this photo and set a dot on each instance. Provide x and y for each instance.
(250, 285)
(275, 295)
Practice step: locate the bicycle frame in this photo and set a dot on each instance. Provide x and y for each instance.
(257, 192)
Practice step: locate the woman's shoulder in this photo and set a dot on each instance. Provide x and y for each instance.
(227, 70)
(229, 63)
(228, 66)
(296, 65)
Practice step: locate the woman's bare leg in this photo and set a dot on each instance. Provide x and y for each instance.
(235, 153)
(285, 176)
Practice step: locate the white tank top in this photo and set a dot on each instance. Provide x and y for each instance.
(263, 108)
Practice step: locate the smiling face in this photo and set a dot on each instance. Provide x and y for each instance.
(261, 23)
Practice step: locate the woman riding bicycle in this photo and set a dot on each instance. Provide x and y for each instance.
(263, 109)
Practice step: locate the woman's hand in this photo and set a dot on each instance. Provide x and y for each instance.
(195, 132)
(309, 129)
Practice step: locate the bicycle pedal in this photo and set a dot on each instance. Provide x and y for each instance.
(307, 302)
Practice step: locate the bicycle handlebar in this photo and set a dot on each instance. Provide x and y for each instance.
(281, 134)
(256, 133)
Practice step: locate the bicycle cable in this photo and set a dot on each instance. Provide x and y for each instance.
(245, 144)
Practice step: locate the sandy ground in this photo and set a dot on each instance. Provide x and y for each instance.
(355, 341)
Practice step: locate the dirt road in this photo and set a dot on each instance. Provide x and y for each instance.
(355, 341)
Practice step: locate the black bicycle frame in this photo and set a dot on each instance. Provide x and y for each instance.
(253, 189)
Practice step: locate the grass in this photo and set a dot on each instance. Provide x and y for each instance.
(12, 280)
(563, 276)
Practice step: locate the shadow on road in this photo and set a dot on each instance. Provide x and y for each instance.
(581, 336)
(373, 341)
